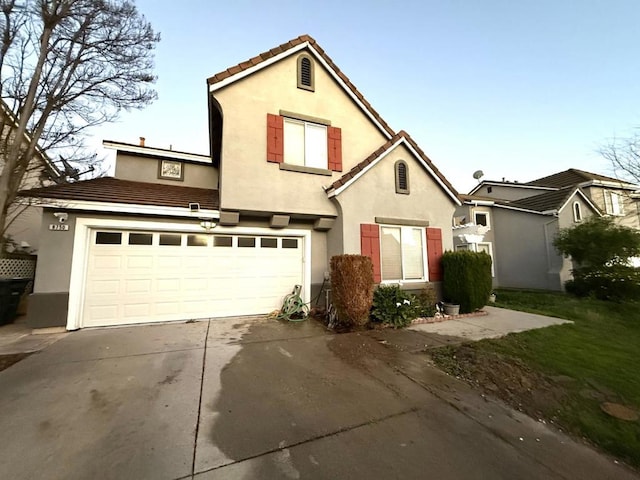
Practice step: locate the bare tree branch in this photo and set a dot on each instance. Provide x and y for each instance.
(66, 66)
(624, 156)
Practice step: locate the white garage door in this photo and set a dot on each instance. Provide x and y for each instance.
(135, 277)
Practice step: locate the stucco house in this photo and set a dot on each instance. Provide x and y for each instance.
(24, 218)
(301, 168)
(516, 223)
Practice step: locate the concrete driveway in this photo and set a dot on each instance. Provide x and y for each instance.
(254, 399)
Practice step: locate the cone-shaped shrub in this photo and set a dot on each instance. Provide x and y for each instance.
(352, 288)
(467, 279)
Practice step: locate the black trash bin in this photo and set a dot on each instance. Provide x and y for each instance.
(11, 290)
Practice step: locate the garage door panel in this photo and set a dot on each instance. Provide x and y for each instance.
(168, 261)
(105, 262)
(137, 286)
(137, 310)
(104, 287)
(159, 282)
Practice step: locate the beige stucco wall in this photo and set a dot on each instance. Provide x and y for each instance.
(53, 270)
(145, 169)
(248, 181)
(374, 195)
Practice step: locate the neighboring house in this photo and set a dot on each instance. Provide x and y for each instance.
(24, 219)
(519, 234)
(302, 168)
(519, 221)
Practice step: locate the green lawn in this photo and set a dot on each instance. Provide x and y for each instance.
(600, 352)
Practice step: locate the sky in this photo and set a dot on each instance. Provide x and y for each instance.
(517, 89)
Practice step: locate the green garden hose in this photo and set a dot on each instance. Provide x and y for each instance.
(293, 307)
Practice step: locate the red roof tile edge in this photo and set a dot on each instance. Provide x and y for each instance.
(229, 72)
(384, 148)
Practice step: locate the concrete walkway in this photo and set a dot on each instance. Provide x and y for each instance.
(497, 323)
(255, 398)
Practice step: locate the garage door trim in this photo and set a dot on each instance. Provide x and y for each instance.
(82, 241)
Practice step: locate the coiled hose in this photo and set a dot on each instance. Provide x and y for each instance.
(293, 307)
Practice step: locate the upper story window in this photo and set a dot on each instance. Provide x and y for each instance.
(577, 212)
(305, 143)
(306, 77)
(613, 203)
(481, 218)
(402, 177)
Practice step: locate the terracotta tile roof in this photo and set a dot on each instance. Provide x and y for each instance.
(218, 77)
(114, 190)
(544, 202)
(572, 176)
(375, 155)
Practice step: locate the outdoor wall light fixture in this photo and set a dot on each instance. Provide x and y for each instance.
(208, 224)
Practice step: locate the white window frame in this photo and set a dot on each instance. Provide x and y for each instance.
(577, 212)
(615, 205)
(306, 144)
(486, 214)
(425, 267)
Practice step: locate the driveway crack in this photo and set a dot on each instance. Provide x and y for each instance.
(204, 361)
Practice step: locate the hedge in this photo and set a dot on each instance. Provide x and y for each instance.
(467, 279)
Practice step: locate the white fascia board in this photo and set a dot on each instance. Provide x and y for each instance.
(480, 203)
(339, 190)
(517, 209)
(244, 73)
(333, 193)
(584, 197)
(128, 208)
(156, 152)
(495, 183)
(603, 183)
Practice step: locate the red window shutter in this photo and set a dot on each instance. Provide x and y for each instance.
(370, 246)
(334, 148)
(275, 138)
(434, 254)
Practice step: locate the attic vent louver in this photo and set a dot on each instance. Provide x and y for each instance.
(402, 177)
(305, 72)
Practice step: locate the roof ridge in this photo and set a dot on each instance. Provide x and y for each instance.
(258, 59)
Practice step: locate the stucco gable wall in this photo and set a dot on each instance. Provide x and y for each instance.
(374, 195)
(566, 216)
(248, 181)
(145, 169)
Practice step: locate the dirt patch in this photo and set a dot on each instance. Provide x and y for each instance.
(504, 377)
(7, 360)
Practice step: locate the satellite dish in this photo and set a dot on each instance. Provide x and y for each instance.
(478, 174)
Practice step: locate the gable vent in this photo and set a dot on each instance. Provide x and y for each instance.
(402, 177)
(305, 72)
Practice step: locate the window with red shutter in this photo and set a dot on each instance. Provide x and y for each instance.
(334, 140)
(434, 254)
(275, 138)
(370, 246)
